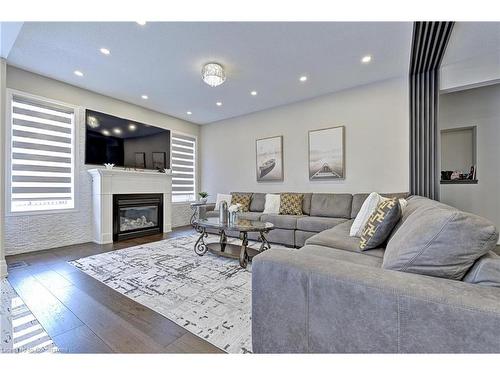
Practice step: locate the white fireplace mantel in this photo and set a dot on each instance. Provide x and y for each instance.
(106, 182)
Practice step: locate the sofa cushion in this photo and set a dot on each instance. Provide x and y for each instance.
(380, 224)
(281, 221)
(486, 271)
(331, 205)
(306, 204)
(438, 240)
(359, 199)
(243, 199)
(258, 201)
(291, 203)
(342, 255)
(249, 215)
(318, 224)
(338, 238)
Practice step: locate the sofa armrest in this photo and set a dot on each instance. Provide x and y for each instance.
(306, 303)
(206, 208)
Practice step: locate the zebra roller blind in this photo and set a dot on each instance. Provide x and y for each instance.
(42, 156)
(183, 168)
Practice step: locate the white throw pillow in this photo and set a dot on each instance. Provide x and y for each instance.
(369, 206)
(221, 198)
(272, 205)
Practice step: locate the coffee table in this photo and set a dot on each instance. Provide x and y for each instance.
(222, 248)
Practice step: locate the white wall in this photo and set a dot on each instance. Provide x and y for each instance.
(479, 107)
(376, 124)
(37, 232)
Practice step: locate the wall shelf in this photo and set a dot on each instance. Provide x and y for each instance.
(451, 182)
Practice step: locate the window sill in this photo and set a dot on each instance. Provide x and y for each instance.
(46, 212)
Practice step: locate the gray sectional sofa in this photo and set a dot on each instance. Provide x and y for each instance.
(330, 297)
(321, 211)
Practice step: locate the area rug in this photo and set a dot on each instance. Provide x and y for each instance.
(20, 331)
(210, 296)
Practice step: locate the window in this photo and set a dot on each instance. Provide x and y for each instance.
(42, 155)
(183, 168)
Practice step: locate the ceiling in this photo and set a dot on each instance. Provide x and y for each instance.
(472, 57)
(163, 60)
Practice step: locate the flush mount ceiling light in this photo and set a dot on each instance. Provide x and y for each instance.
(142, 23)
(132, 127)
(78, 73)
(213, 74)
(145, 97)
(303, 79)
(105, 132)
(218, 104)
(117, 131)
(366, 59)
(253, 93)
(189, 112)
(105, 51)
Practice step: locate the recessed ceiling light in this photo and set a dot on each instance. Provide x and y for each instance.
(132, 127)
(142, 23)
(105, 132)
(219, 104)
(145, 97)
(253, 93)
(303, 79)
(117, 131)
(78, 73)
(366, 59)
(105, 51)
(189, 112)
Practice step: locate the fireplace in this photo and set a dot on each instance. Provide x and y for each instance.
(136, 215)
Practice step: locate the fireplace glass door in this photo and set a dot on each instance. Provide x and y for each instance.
(137, 215)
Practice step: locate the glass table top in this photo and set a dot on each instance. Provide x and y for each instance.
(241, 225)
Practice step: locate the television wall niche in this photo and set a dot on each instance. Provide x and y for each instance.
(125, 143)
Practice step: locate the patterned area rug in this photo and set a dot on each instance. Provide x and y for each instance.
(210, 296)
(20, 331)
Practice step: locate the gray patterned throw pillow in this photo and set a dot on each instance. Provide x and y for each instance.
(380, 224)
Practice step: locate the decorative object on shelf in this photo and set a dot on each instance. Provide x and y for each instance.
(472, 173)
(223, 213)
(446, 175)
(140, 160)
(109, 165)
(203, 196)
(326, 154)
(455, 175)
(159, 160)
(269, 159)
(213, 74)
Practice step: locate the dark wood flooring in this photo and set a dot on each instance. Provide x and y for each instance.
(83, 315)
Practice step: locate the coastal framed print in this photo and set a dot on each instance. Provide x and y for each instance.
(327, 154)
(269, 159)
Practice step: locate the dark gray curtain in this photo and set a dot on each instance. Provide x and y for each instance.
(428, 47)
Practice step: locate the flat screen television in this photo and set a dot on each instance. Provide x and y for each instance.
(125, 143)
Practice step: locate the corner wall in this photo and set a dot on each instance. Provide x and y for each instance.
(28, 233)
(375, 117)
(476, 107)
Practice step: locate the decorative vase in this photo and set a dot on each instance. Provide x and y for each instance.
(203, 200)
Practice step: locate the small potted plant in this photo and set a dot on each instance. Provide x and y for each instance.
(203, 196)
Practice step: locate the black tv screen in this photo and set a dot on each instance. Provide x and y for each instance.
(125, 143)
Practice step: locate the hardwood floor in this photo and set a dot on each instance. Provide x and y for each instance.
(83, 315)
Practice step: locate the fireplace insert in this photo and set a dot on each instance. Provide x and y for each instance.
(136, 215)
